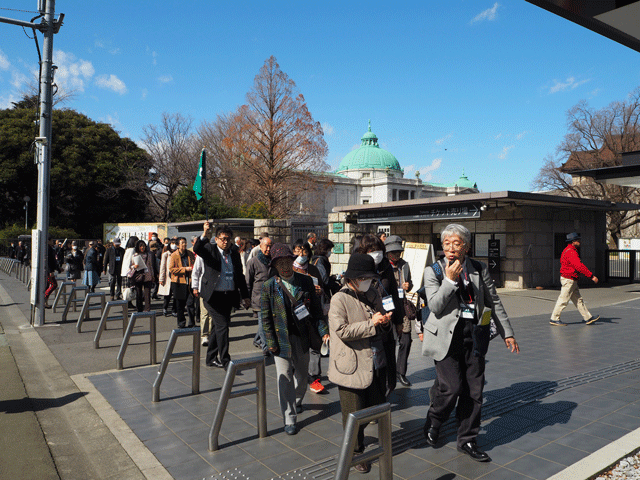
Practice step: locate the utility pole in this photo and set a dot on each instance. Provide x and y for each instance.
(48, 27)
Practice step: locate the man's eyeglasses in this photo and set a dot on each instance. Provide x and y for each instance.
(455, 246)
(224, 239)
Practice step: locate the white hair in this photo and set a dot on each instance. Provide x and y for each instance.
(456, 229)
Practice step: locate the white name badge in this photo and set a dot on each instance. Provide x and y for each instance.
(401, 293)
(301, 311)
(315, 281)
(387, 303)
(468, 311)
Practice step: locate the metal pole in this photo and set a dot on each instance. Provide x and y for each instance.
(44, 159)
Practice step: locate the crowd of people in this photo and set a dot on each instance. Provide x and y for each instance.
(362, 319)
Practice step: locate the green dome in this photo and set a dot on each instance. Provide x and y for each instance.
(369, 156)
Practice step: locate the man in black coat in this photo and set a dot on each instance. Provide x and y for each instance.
(113, 266)
(222, 287)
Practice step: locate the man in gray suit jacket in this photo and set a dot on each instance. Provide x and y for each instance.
(458, 289)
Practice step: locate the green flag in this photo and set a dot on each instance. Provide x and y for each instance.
(200, 177)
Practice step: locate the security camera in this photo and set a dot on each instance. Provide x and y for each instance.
(41, 140)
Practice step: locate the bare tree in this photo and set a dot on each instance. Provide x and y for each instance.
(276, 140)
(596, 139)
(173, 153)
(226, 177)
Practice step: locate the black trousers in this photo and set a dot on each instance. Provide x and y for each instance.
(219, 307)
(460, 378)
(354, 399)
(115, 285)
(403, 353)
(189, 305)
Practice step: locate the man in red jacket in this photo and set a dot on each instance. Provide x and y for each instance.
(570, 267)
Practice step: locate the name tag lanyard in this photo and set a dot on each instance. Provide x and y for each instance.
(466, 300)
(387, 300)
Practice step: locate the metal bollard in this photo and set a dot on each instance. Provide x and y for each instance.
(260, 390)
(168, 355)
(346, 459)
(87, 307)
(106, 318)
(62, 292)
(129, 333)
(73, 300)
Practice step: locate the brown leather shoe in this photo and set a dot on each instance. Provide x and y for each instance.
(363, 467)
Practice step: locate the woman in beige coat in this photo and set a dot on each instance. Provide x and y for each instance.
(164, 278)
(357, 362)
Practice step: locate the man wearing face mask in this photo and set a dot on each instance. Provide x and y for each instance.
(402, 275)
(320, 259)
(113, 264)
(290, 308)
(258, 272)
(74, 260)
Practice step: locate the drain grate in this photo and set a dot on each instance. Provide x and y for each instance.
(495, 404)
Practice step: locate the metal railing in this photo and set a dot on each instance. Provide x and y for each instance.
(63, 293)
(74, 300)
(260, 390)
(346, 459)
(13, 267)
(129, 333)
(168, 355)
(87, 307)
(102, 326)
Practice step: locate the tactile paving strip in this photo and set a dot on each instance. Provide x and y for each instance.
(493, 406)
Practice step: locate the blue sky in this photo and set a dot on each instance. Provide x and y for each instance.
(477, 85)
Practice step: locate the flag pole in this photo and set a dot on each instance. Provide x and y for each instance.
(204, 186)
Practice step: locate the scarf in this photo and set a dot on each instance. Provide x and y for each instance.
(263, 258)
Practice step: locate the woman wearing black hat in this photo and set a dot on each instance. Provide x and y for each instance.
(357, 360)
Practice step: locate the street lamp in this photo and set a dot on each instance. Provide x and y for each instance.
(26, 212)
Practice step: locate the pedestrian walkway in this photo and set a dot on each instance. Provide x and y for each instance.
(569, 393)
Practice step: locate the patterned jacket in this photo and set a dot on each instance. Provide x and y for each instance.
(277, 312)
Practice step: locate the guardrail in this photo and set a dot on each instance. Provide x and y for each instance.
(168, 355)
(346, 459)
(260, 390)
(74, 300)
(13, 267)
(129, 333)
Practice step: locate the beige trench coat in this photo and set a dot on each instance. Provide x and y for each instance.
(350, 356)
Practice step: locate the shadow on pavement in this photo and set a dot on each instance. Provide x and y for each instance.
(27, 404)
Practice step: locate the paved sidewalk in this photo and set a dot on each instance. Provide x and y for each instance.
(570, 392)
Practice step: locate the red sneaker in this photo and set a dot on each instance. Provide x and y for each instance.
(316, 386)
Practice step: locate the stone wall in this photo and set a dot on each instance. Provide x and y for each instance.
(342, 239)
(279, 230)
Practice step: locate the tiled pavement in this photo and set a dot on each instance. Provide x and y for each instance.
(540, 415)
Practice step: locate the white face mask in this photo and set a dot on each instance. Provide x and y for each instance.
(154, 239)
(363, 285)
(377, 256)
(74, 248)
(173, 246)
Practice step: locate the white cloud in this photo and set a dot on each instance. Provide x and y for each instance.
(165, 79)
(4, 61)
(5, 102)
(327, 129)
(18, 79)
(499, 136)
(440, 141)
(111, 82)
(489, 14)
(425, 172)
(505, 151)
(521, 135)
(71, 73)
(569, 84)
(145, 92)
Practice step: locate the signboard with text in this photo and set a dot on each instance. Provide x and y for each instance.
(423, 212)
